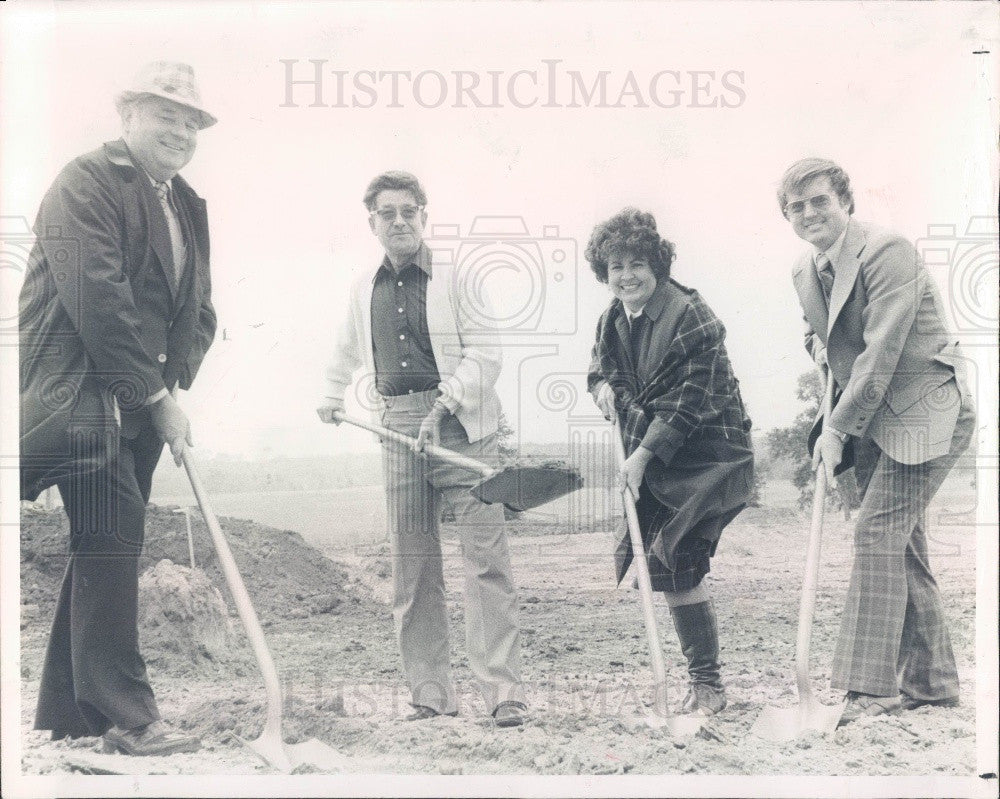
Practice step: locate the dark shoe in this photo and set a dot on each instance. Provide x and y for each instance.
(510, 714)
(859, 705)
(912, 703)
(59, 735)
(154, 739)
(704, 699)
(421, 712)
(698, 634)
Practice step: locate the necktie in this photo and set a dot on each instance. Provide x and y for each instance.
(825, 272)
(637, 324)
(178, 250)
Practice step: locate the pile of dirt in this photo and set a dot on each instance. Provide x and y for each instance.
(185, 621)
(287, 578)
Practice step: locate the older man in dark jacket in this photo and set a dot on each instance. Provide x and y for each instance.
(115, 313)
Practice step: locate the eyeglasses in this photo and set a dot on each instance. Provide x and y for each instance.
(408, 212)
(821, 202)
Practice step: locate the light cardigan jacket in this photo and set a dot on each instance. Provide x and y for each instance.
(463, 338)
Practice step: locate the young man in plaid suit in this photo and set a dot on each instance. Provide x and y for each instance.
(903, 413)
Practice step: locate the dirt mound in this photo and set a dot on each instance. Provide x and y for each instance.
(287, 578)
(185, 622)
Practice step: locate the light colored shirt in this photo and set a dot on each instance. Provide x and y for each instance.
(832, 252)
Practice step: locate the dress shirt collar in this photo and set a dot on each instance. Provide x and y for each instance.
(832, 253)
(421, 259)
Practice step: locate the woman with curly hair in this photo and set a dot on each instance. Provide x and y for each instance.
(660, 365)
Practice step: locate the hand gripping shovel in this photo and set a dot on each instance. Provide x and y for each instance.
(676, 725)
(786, 723)
(269, 746)
(520, 487)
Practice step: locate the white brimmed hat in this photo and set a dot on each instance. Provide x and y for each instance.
(170, 80)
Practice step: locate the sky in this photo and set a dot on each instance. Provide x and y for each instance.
(889, 91)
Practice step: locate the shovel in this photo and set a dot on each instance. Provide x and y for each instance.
(675, 725)
(270, 746)
(786, 723)
(520, 487)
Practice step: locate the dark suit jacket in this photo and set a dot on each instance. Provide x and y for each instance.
(101, 323)
(900, 378)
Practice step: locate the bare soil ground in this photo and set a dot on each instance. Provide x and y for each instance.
(584, 658)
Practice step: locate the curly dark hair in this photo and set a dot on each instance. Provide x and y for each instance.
(630, 232)
(394, 179)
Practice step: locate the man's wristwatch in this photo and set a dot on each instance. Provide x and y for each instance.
(838, 434)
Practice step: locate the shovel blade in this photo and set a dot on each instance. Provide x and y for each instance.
(288, 757)
(317, 754)
(676, 726)
(781, 724)
(522, 488)
(270, 749)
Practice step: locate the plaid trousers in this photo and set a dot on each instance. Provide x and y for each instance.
(893, 634)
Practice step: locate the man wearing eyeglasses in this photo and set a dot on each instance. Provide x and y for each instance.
(903, 414)
(410, 326)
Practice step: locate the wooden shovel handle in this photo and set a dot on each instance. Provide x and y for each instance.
(807, 605)
(272, 684)
(446, 455)
(645, 583)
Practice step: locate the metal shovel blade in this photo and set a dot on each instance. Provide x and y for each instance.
(288, 757)
(317, 754)
(522, 488)
(781, 724)
(676, 726)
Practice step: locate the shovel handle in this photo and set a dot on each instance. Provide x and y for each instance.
(244, 606)
(446, 455)
(645, 583)
(807, 606)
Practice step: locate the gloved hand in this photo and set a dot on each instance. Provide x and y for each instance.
(606, 400)
(172, 425)
(819, 356)
(327, 409)
(430, 427)
(828, 452)
(633, 469)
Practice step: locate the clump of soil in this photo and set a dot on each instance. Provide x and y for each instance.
(287, 578)
(184, 619)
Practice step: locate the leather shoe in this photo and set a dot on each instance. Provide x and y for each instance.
(859, 705)
(510, 713)
(912, 702)
(421, 712)
(155, 738)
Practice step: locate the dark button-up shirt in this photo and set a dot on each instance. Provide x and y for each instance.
(401, 342)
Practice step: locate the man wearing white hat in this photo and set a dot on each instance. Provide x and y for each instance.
(115, 314)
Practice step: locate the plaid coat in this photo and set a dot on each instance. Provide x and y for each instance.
(681, 400)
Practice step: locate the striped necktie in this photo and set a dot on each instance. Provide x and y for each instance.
(178, 249)
(824, 269)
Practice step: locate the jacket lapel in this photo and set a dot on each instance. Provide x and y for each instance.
(811, 296)
(846, 270)
(189, 287)
(159, 235)
(365, 308)
(621, 325)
